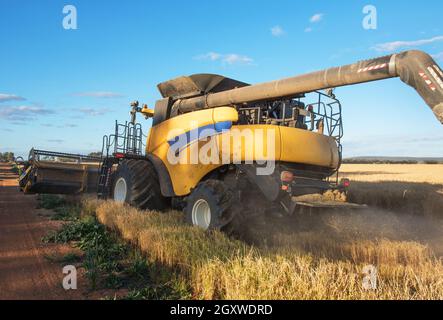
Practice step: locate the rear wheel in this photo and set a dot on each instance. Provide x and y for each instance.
(136, 183)
(210, 206)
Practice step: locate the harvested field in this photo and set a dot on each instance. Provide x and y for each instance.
(317, 256)
(321, 257)
(411, 173)
(324, 263)
(405, 189)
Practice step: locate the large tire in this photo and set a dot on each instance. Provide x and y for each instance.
(210, 205)
(136, 183)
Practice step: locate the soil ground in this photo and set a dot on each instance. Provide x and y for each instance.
(26, 273)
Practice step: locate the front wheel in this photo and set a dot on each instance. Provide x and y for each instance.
(136, 183)
(210, 206)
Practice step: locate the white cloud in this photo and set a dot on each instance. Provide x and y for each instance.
(56, 140)
(213, 56)
(93, 112)
(438, 56)
(99, 94)
(10, 97)
(23, 113)
(277, 31)
(236, 58)
(316, 17)
(392, 46)
(231, 58)
(61, 126)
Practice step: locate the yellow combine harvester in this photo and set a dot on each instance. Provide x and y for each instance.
(221, 149)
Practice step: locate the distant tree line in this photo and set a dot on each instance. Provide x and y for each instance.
(7, 156)
(367, 161)
(97, 154)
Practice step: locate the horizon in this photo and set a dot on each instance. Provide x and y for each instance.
(394, 157)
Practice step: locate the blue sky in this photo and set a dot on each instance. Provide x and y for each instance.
(63, 89)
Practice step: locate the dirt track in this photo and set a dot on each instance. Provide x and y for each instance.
(25, 272)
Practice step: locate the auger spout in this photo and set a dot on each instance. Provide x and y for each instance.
(415, 68)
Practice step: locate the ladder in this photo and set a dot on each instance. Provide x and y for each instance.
(125, 142)
(104, 178)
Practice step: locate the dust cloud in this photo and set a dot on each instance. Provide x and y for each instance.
(331, 232)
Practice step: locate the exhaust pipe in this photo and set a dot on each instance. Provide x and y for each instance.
(415, 68)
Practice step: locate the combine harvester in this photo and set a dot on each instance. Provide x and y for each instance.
(301, 122)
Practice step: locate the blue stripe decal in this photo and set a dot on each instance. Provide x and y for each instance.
(199, 134)
(223, 126)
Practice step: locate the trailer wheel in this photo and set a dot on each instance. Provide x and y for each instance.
(210, 205)
(136, 183)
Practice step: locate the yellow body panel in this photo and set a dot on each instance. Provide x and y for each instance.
(240, 143)
(186, 176)
(250, 143)
(303, 146)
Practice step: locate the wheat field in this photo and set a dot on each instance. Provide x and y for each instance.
(418, 173)
(415, 189)
(315, 257)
